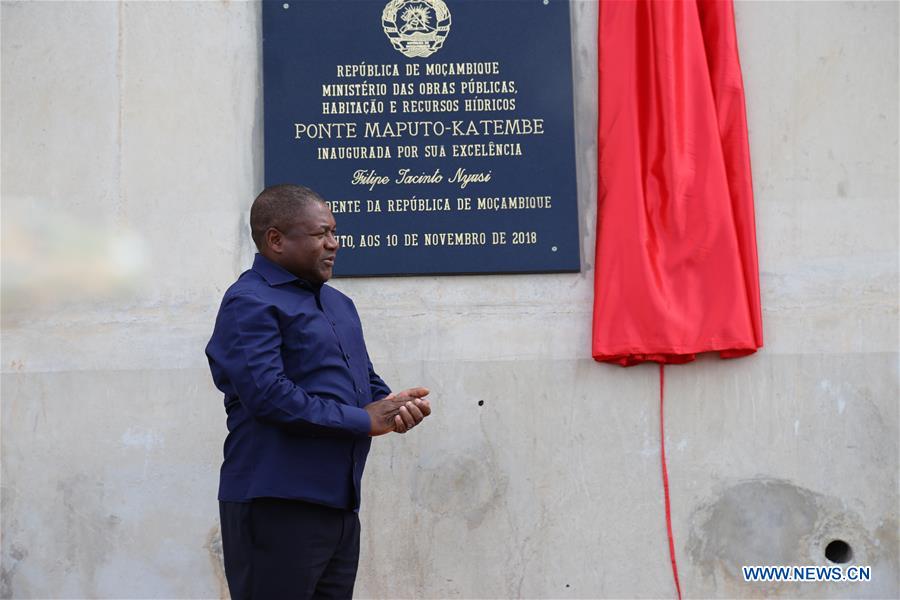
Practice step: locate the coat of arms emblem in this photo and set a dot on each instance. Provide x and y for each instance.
(417, 28)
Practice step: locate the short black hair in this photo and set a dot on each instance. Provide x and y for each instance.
(278, 206)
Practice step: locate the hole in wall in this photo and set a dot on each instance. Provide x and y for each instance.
(481, 403)
(838, 551)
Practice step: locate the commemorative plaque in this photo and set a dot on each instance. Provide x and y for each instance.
(440, 131)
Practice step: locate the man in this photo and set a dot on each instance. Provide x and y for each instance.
(303, 402)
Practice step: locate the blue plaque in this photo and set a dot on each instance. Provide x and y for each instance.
(440, 131)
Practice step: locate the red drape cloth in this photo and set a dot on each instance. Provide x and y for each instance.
(676, 264)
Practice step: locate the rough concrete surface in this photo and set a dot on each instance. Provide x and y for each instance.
(131, 149)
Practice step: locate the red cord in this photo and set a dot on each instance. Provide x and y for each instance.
(665, 478)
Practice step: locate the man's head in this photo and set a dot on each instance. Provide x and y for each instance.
(294, 228)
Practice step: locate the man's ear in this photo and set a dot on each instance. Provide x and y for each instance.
(273, 239)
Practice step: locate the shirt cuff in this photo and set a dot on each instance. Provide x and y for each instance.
(358, 420)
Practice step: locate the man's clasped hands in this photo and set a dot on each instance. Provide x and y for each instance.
(399, 412)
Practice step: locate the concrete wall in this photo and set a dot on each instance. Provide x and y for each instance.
(131, 149)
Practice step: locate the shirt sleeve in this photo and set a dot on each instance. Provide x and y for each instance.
(245, 359)
(379, 388)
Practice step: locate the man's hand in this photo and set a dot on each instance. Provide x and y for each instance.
(398, 412)
(412, 413)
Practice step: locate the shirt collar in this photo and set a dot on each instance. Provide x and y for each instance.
(277, 275)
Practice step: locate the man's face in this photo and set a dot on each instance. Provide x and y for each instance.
(308, 246)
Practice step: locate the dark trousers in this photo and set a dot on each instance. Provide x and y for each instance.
(287, 549)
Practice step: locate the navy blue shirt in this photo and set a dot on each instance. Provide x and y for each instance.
(290, 358)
